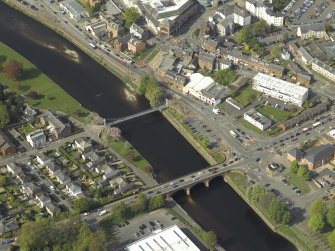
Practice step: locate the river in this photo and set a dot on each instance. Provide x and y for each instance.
(217, 208)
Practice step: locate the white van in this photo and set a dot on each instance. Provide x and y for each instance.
(103, 212)
(216, 111)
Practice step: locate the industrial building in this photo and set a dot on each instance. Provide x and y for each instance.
(171, 238)
(73, 9)
(280, 89)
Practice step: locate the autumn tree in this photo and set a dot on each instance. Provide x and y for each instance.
(13, 69)
(114, 133)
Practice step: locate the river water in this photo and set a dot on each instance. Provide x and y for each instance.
(217, 208)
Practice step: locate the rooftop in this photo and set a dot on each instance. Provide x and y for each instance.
(199, 82)
(258, 117)
(171, 238)
(320, 153)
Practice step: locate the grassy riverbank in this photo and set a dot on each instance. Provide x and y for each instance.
(238, 182)
(49, 94)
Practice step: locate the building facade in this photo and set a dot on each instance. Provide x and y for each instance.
(257, 119)
(323, 69)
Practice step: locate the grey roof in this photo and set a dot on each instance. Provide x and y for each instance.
(7, 226)
(296, 153)
(54, 120)
(4, 141)
(324, 66)
(83, 143)
(74, 187)
(207, 57)
(305, 54)
(62, 176)
(320, 153)
(215, 91)
(312, 27)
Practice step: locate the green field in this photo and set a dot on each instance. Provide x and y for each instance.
(148, 54)
(51, 96)
(299, 182)
(275, 114)
(246, 95)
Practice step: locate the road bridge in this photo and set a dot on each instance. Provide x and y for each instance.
(115, 121)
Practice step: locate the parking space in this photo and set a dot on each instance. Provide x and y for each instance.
(143, 226)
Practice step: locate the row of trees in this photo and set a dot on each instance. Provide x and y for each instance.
(152, 89)
(302, 171)
(70, 234)
(277, 209)
(131, 15)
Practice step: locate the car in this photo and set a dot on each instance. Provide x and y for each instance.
(150, 192)
(258, 159)
(85, 214)
(266, 185)
(136, 234)
(181, 180)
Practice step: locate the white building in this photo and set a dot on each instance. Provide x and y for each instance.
(323, 69)
(280, 89)
(259, 9)
(37, 138)
(234, 14)
(257, 119)
(171, 238)
(73, 9)
(205, 89)
(307, 31)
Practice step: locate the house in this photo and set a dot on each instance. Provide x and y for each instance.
(73, 188)
(323, 69)
(30, 189)
(23, 178)
(14, 168)
(6, 146)
(314, 30)
(42, 199)
(108, 172)
(264, 11)
(295, 154)
(120, 185)
(305, 56)
(7, 225)
(94, 159)
(98, 29)
(273, 169)
(57, 127)
(135, 45)
(121, 43)
(29, 114)
(206, 61)
(319, 156)
(214, 94)
(62, 177)
(52, 209)
(83, 145)
(222, 64)
(302, 76)
(285, 55)
(36, 139)
(138, 32)
(210, 44)
(73, 9)
(43, 160)
(52, 167)
(115, 29)
(175, 80)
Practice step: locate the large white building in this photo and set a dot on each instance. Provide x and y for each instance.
(323, 69)
(280, 89)
(261, 10)
(234, 14)
(171, 238)
(73, 9)
(205, 89)
(257, 119)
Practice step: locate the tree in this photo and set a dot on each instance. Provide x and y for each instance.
(279, 212)
(122, 212)
(278, 5)
(225, 77)
(156, 202)
(3, 181)
(318, 207)
(114, 133)
(294, 166)
(140, 205)
(243, 35)
(255, 192)
(331, 240)
(196, 32)
(316, 223)
(13, 69)
(260, 27)
(81, 205)
(130, 15)
(157, 97)
(331, 216)
(4, 116)
(303, 172)
(210, 239)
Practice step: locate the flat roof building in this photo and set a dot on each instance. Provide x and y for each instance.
(171, 238)
(257, 119)
(73, 8)
(280, 89)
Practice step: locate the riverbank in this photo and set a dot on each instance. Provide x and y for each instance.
(291, 233)
(117, 69)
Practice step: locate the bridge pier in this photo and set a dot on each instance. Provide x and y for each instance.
(206, 182)
(188, 191)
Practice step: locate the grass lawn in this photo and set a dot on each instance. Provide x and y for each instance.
(246, 95)
(148, 54)
(219, 157)
(300, 183)
(275, 114)
(51, 95)
(124, 148)
(238, 179)
(26, 129)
